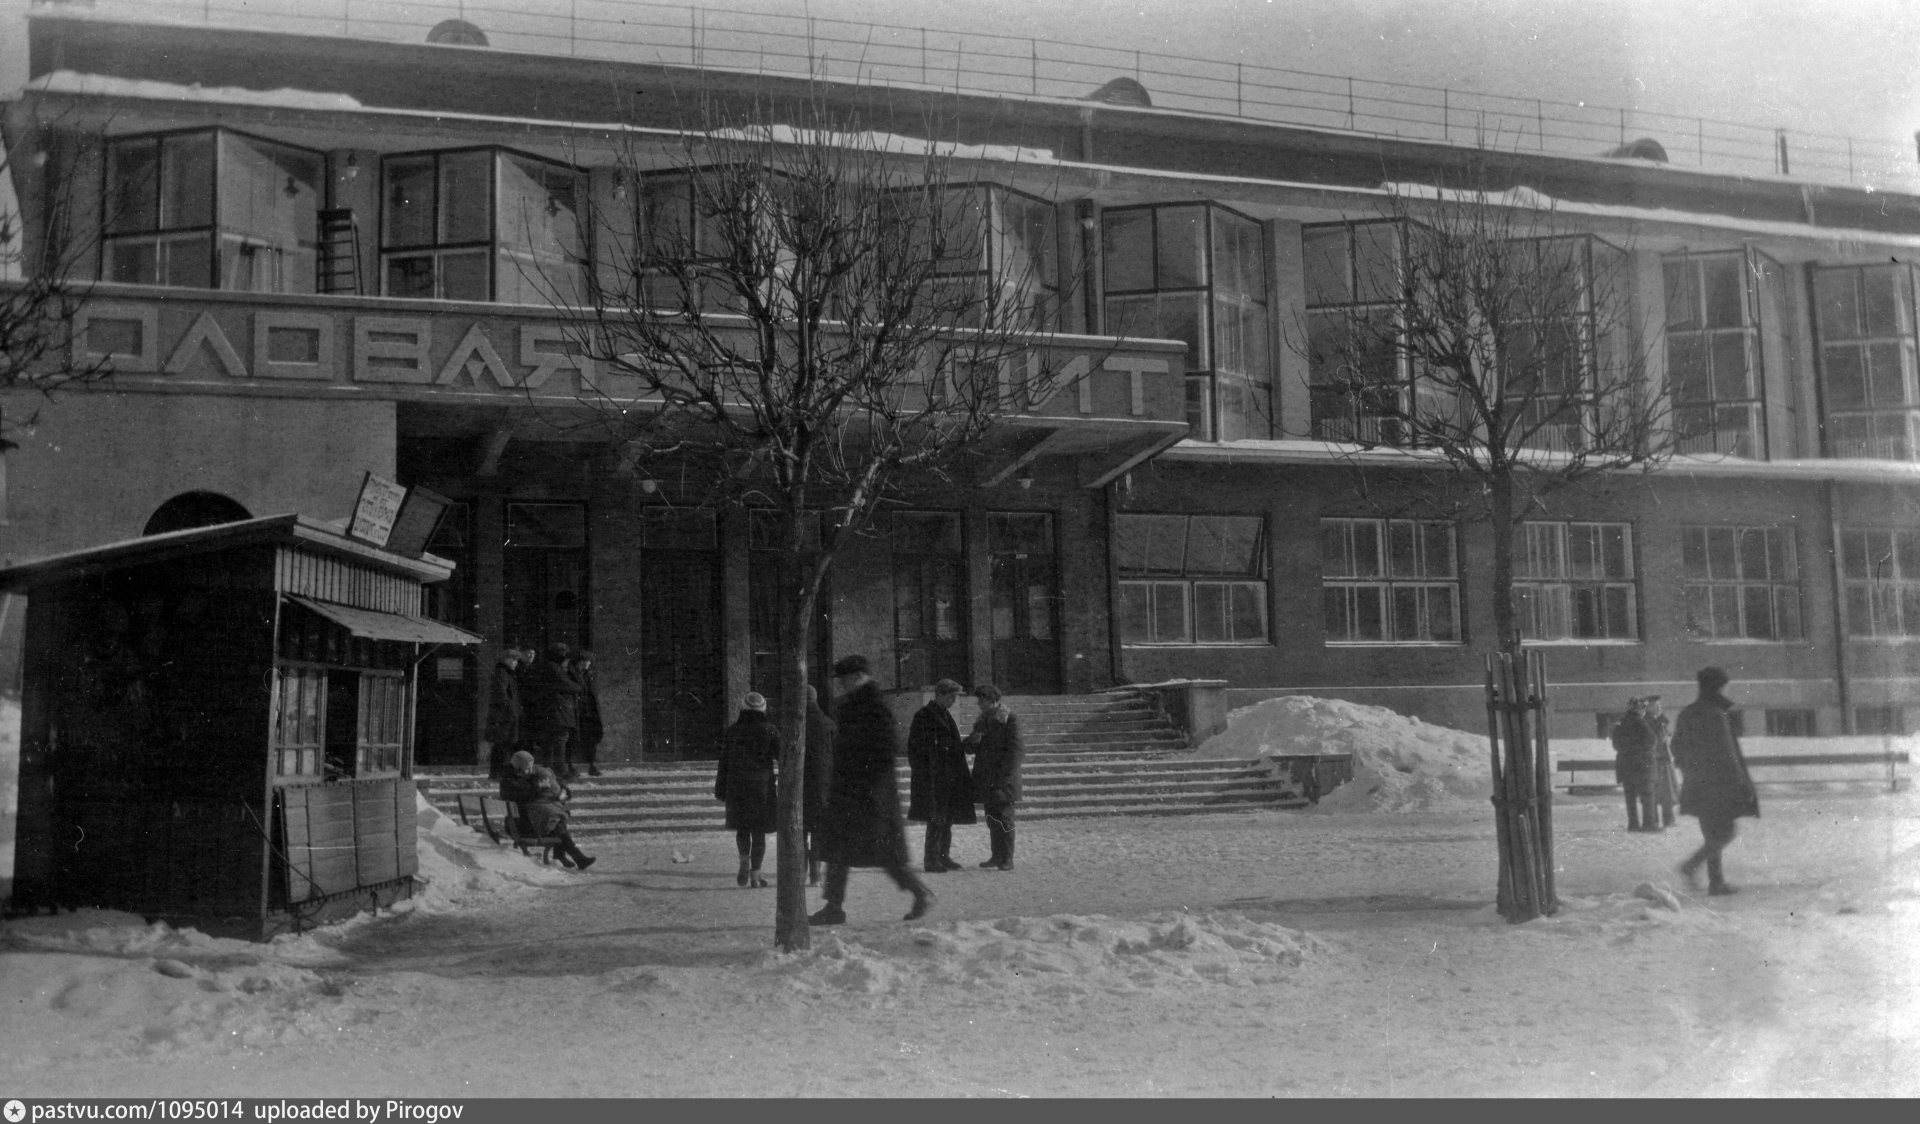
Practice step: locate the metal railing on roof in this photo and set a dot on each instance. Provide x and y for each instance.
(983, 63)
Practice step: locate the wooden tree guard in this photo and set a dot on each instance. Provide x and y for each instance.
(1522, 784)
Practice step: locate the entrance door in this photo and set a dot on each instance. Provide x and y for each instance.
(683, 678)
(1026, 594)
(929, 598)
(444, 728)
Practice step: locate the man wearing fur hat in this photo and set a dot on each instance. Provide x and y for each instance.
(1714, 783)
(863, 824)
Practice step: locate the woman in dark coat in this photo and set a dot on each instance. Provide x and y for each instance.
(503, 713)
(748, 753)
(819, 774)
(997, 757)
(942, 793)
(590, 729)
(863, 822)
(1714, 784)
(553, 709)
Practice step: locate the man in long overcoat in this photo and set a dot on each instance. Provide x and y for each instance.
(997, 757)
(1633, 742)
(819, 780)
(941, 792)
(863, 822)
(503, 712)
(1715, 785)
(553, 710)
(589, 727)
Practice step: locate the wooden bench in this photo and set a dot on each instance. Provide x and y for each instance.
(511, 831)
(1891, 759)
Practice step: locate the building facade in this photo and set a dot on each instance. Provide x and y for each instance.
(315, 257)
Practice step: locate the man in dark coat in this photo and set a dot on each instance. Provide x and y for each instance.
(503, 712)
(540, 795)
(590, 728)
(552, 699)
(997, 757)
(1633, 743)
(819, 779)
(1714, 785)
(863, 822)
(749, 752)
(1666, 786)
(941, 792)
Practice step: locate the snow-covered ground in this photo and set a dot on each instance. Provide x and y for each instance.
(1348, 950)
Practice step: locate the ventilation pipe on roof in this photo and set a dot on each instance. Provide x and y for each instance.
(457, 32)
(1122, 91)
(1646, 148)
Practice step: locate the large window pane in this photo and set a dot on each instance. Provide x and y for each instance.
(1181, 240)
(409, 209)
(466, 197)
(1376, 257)
(1328, 267)
(133, 186)
(1836, 297)
(186, 181)
(1127, 250)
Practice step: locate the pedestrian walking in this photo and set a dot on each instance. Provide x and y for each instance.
(997, 757)
(941, 792)
(502, 737)
(819, 780)
(749, 755)
(589, 729)
(863, 822)
(1714, 783)
(1633, 744)
(552, 706)
(1666, 785)
(543, 811)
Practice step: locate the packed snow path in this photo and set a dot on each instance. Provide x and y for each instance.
(1239, 954)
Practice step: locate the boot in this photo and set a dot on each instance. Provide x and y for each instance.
(746, 872)
(581, 859)
(757, 880)
(922, 902)
(829, 914)
(813, 872)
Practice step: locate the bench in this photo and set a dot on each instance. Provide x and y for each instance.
(1891, 759)
(511, 832)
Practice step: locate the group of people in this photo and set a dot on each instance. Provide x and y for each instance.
(540, 721)
(850, 800)
(1715, 786)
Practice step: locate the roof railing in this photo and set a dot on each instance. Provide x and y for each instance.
(981, 63)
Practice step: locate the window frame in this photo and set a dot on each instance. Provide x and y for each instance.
(1526, 582)
(1906, 413)
(493, 243)
(214, 230)
(1335, 410)
(1752, 267)
(1185, 586)
(1389, 585)
(1897, 591)
(1208, 377)
(1740, 584)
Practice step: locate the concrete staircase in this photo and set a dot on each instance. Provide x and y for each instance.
(1087, 755)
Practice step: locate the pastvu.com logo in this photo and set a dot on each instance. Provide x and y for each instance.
(16, 1112)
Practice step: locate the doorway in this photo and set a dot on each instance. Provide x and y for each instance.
(929, 598)
(1025, 602)
(683, 680)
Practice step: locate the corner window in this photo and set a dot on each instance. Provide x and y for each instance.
(1389, 581)
(1880, 576)
(1553, 362)
(1742, 583)
(1192, 579)
(1866, 322)
(1358, 383)
(482, 224)
(1575, 581)
(1714, 349)
(212, 209)
(1197, 273)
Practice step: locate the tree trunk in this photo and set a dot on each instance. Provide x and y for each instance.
(1506, 622)
(799, 592)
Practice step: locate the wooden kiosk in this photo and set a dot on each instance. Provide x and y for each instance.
(217, 725)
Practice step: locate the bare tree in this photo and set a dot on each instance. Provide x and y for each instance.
(810, 318)
(1478, 334)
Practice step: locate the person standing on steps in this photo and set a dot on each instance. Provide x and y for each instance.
(997, 757)
(503, 712)
(1714, 783)
(863, 825)
(553, 709)
(819, 779)
(590, 728)
(1633, 741)
(941, 793)
(749, 751)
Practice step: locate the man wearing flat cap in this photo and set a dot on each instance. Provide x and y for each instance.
(863, 822)
(1714, 783)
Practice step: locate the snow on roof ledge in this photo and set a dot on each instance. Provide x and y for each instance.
(871, 141)
(106, 85)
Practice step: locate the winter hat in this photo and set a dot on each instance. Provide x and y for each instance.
(852, 665)
(557, 651)
(756, 701)
(1712, 678)
(520, 759)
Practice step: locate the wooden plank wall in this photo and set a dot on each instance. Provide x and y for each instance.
(345, 836)
(345, 583)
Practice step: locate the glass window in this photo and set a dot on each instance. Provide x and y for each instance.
(1192, 579)
(1865, 318)
(1576, 581)
(1197, 274)
(1359, 388)
(1714, 351)
(484, 224)
(1391, 581)
(1742, 583)
(1880, 576)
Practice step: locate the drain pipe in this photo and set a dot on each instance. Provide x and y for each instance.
(1839, 610)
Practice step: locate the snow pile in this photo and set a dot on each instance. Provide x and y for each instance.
(461, 867)
(1053, 958)
(1400, 764)
(1615, 918)
(74, 82)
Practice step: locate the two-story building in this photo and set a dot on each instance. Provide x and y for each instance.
(310, 258)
